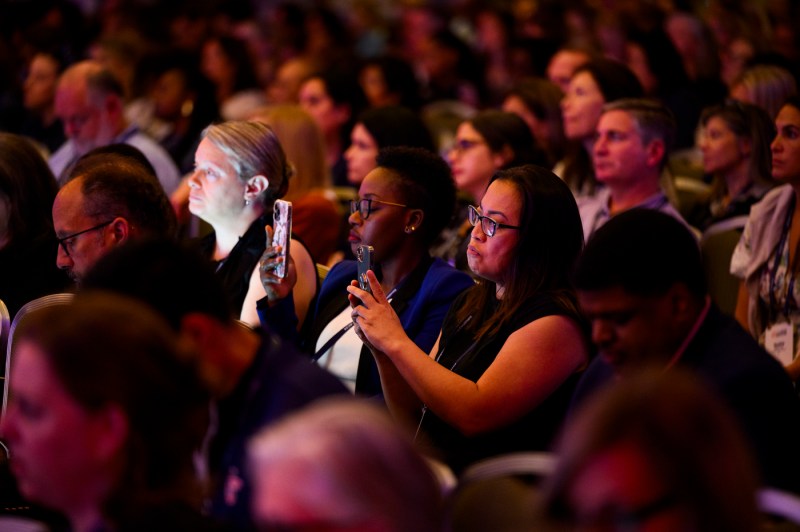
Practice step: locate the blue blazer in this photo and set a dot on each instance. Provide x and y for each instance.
(421, 301)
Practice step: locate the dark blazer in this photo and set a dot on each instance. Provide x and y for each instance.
(753, 384)
(421, 301)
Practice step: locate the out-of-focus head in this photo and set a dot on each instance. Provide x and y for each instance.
(91, 432)
(39, 88)
(487, 142)
(334, 98)
(389, 80)
(786, 145)
(767, 86)
(342, 464)
(592, 85)
(657, 451)
(383, 127)
(110, 197)
(640, 281)
(418, 182)
(27, 191)
(285, 88)
(537, 102)
(226, 61)
(563, 65)
(89, 103)
(736, 131)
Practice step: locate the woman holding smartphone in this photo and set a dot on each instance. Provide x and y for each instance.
(500, 375)
(240, 170)
(402, 205)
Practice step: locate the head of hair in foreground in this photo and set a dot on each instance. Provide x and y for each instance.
(27, 190)
(141, 410)
(424, 182)
(550, 239)
(657, 450)
(342, 463)
(654, 121)
(253, 149)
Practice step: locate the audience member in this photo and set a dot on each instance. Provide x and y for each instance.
(240, 170)
(27, 238)
(500, 375)
(106, 410)
(564, 63)
(378, 128)
(633, 140)
(389, 80)
(735, 144)
(285, 88)
(39, 100)
(765, 258)
(308, 469)
(316, 217)
(89, 103)
(254, 377)
(110, 197)
(659, 451)
(402, 205)
(640, 282)
(334, 98)
(226, 62)
(594, 84)
(767, 86)
(537, 101)
(489, 141)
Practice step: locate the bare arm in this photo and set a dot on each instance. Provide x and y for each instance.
(742, 302)
(532, 363)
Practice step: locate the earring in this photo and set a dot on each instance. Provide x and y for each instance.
(410, 230)
(246, 202)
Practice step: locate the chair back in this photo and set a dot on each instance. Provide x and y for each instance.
(717, 247)
(42, 302)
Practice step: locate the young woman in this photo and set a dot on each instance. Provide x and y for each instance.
(499, 377)
(766, 259)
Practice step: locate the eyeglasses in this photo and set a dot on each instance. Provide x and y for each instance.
(488, 225)
(364, 206)
(68, 241)
(462, 145)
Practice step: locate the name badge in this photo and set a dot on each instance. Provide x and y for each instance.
(779, 342)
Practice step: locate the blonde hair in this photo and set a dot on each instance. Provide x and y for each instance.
(303, 144)
(767, 86)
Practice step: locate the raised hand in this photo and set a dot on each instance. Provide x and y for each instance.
(275, 288)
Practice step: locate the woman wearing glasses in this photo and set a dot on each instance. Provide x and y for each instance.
(489, 141)
(499, 377)
(402, 205)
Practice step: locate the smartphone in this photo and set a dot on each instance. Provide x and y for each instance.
(364, 257)
(282, 232)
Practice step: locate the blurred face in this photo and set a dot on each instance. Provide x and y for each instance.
(514, 104)
(619, 156)
(314, 99)
(619, 489)
(69, 218)
(722, 150)
(39, 90)
(637, 62)
(628, 330)
(581, 106)
(169, 94)
(472, 161)
(374, 86)
(55, 443)
(215, 64)
(88, 124)
(491, 257)
(786, 146)
(384, 228)
(361, 154)
(217, 193)
(563, 65)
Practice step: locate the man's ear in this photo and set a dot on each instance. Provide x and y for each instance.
(120, 230)
(255, 186)
(656, 151)
(680, 298)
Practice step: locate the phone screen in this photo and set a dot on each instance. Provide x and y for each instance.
(364, 258)
(282, 227)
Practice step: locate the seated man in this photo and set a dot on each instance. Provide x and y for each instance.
(640, 282)
(255, 378)
(89, 103)
(634, 137)
(108, 199)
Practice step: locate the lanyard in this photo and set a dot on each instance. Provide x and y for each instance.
(774, 273)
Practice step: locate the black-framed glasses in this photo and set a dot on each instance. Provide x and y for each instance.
(364, 206)
(68, 241)
(488, 225)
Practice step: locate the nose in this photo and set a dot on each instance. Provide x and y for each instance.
(63, 261)
(355, 218)
(8, 430)
(600, 145)
(193, 181)
(776, 146)
(477, 232)
(602, 332)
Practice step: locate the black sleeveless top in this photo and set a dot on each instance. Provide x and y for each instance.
(462, 354)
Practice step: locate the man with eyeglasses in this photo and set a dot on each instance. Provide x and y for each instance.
(632, 143)
(108, 199)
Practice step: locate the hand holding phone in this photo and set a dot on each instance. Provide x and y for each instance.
(364, 258)
(282, 226)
